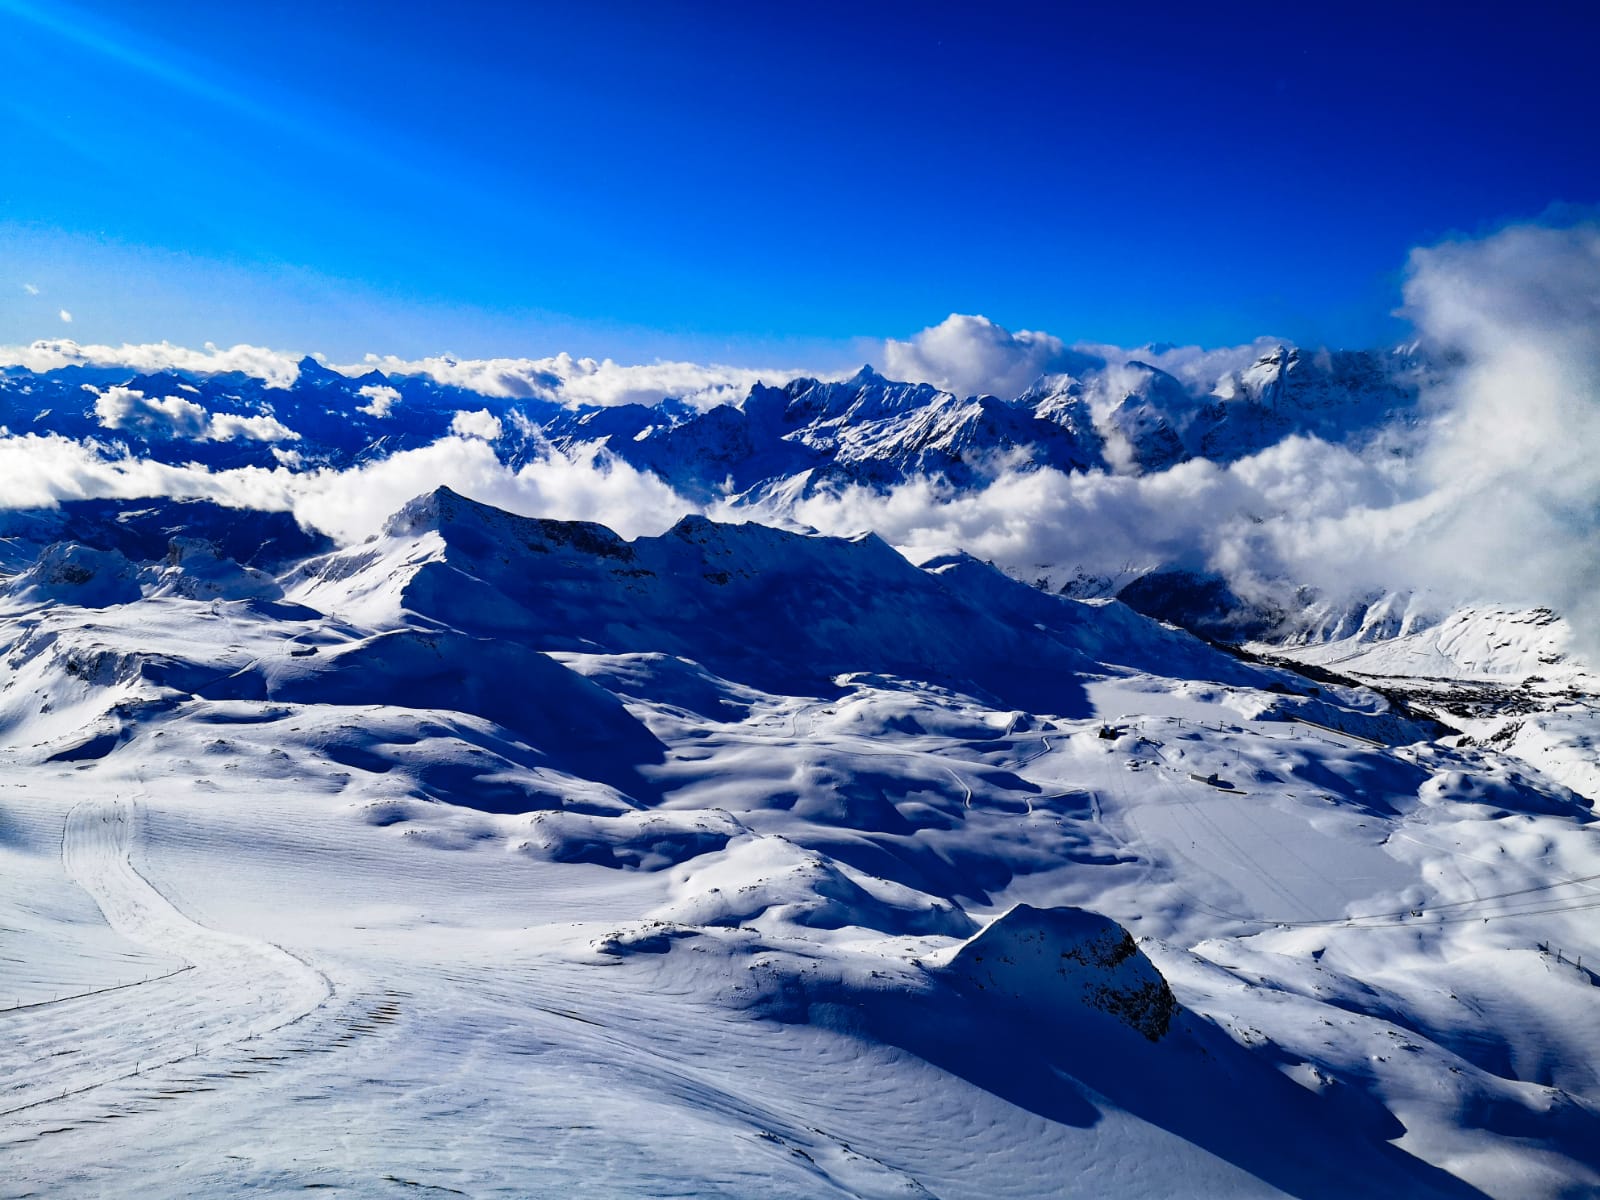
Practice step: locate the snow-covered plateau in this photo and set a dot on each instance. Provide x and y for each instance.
(501, 856)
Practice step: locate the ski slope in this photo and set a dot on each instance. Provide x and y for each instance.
(230, 989)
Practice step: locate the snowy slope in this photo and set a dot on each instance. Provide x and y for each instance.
(1507, 677)
(507, 856)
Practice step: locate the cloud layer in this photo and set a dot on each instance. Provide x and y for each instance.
(560, 378)
(274, 366)
(349, 505)
(572, 381)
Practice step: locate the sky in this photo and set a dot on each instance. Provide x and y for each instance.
(760, 183)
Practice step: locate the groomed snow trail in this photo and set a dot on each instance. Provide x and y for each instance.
(234, 987)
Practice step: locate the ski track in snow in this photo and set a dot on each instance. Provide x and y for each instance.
(233, 987)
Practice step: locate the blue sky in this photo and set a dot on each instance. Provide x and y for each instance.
(750, 182)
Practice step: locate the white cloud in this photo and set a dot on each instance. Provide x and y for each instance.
(168, 417)
(565, 379)
(380, 399)
(587, 381)
(274, 367)
(125, 408)
(1511, 455)
(39, 472)
(590, 486)
(30, 289)
(481, 424)
(560, 378)
(227, 427)
(1248, 519)
(66, 316)
(968, 355)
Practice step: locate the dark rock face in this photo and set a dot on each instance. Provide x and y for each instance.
(1054, 960)
(1203, 604)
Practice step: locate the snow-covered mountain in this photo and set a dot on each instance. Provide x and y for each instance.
(502, 854)
(866, 429)
(770, 453)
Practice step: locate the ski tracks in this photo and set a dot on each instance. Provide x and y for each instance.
(234, 987)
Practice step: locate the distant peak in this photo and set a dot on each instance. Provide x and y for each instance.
(474, 526)
(441, 497)
(866, 376)
(693, 526)
(310, 368)
(956, 559)
(431, 510)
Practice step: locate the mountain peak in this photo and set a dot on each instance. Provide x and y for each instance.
(475, 527)
(312, 371)
(433, 510)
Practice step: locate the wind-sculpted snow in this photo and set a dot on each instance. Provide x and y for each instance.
(585, 729)
(511, 855)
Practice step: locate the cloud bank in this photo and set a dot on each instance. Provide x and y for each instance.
(273, 366)
(572, 381)
(348, 505)
(560, 378)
